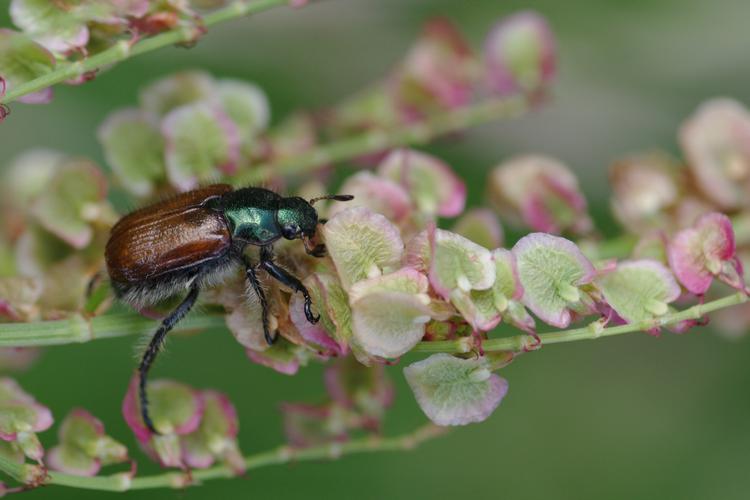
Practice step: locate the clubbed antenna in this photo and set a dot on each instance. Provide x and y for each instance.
(336, 197)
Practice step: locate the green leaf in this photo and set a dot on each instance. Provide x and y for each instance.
(455, 391)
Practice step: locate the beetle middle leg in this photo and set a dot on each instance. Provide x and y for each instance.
(155, 346)
(253, 278)
(286, 278)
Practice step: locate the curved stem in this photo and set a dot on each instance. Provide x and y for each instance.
(593, 330)
(123, 49)
(78, 329)
(281, 455)
(375, 141)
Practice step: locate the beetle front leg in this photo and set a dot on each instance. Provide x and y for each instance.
(253, 278)
(286, 278)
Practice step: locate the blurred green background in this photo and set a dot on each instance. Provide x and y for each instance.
(622, 418)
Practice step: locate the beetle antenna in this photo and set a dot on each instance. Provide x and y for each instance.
(336, 197)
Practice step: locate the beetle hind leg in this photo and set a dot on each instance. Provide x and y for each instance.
(253, 278)
(286, 278)
(154, 346)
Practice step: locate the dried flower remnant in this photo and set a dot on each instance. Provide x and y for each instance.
(84, 446)
(706, 251)
(541, 193)
(716, 143)
(21, 417)
(520, 55)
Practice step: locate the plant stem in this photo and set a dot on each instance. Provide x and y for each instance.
(592, 331)
(77, 329)
(281, 455)
(123, 49)
(416, 133)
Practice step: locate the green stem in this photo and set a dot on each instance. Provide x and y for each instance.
(281, 455)
(77, 329)
(416, 133)
(592, 331)
(123, 49)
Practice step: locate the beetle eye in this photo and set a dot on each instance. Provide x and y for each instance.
(290, 231)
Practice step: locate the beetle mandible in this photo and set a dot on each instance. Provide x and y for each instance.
(192, 240)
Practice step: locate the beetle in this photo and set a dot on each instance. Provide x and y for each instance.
(193, 240)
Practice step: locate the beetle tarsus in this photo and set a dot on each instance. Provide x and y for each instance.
(155, 346)
(286, 278)
(263, 303)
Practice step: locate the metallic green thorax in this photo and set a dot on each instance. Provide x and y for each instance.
(252, 224)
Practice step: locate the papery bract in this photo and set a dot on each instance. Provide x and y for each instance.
(716, 143)
(134, 148)
(73, 201)
(436, 74)
(541, 193)
(481, 226)
(455, 391)
(307, 425)
(176, 410)
(21, 417)
(520, 54)
(246, 105)
(216, 437)
(639, 290)
(365, 389)
(551, 270)
(19, 297)
(59, 28)
(282, 356)
(381, 195)
(316, 334)
(459, 264)
(645, 187)
(705, 251)
(201, 140)
(389, 312)
(164, 95)
(22, 60)
(84, 446)
(434, 187)
(362, 244)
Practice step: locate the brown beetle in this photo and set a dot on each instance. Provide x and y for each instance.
(192, 240)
